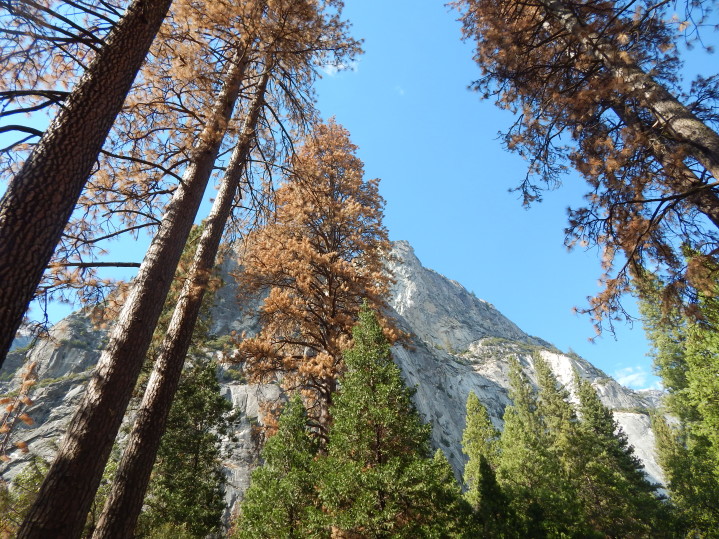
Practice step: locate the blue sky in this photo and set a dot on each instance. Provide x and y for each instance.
(445, 178)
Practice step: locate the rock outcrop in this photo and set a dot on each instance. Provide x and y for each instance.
(462, 343)
(459, 343)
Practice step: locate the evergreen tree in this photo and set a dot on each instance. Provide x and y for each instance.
(702, 376)
(686, 352)
(480, 442)
(187, 487)
(692, 485)
(69, 488)
(666, 330)
(595, 85)
(570, 475)
(41, 197)
(560, 423)
(618, 499)
(67, 492)
(320, 257)
(199, 410)
(281, 500)
(530, 468)
(454, 516)
(15, 500)
(377, 480)
(125, 501)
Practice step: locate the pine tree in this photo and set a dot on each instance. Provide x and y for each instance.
(125, 500)
(573, 474)
(187, 487)
(557, 416)
(320, 256)
(86, 445)
(197, 419)
(154, 136)
(69, 487)
(702, 376)
(666, 330)
(690, 478)
(40, 199)
(281, 500)
(152, 140)
(530, 468)
(595, 85)
(685, 353)
(618, 499)
(480, 442)
(16, 499)
(453, 514)
(377, 479)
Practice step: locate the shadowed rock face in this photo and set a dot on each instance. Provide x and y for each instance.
(459, 344)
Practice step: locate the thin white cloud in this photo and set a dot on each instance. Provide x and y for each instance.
(636, 378)
(332, 69)
(400, 91)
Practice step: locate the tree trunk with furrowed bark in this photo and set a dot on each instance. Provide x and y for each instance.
(119, 516)
(40, 199)
(67, 493)
(671, 117)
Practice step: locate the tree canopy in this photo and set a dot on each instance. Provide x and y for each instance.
(319, 257)
(376, 479)
(555, 470)
(595, 85)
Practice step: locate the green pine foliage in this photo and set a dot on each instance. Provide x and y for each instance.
(169, 530)
(666, 328)
(692, 485)
(480, 442)
(15, 500)
(281, 500)
(686, 355)
(187, 485)
(377, 480)
(615, 493)
(531, 468)
(702, 375)
(453, 514)
(561, 472)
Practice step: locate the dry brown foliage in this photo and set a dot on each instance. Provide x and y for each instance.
(45, 46)
(153, 138)
(585, 78)
(320, 258)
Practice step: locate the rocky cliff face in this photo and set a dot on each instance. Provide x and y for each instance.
(462, 344)
(458, 344)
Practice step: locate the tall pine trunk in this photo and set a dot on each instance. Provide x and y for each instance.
(670, 115)
(124, 502)
(40, 199)
(67, 493)
(680, 178)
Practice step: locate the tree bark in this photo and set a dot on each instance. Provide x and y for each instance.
(682, 180)
(68, 490)
(122, 508)
(673, 119)
(41, 198)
